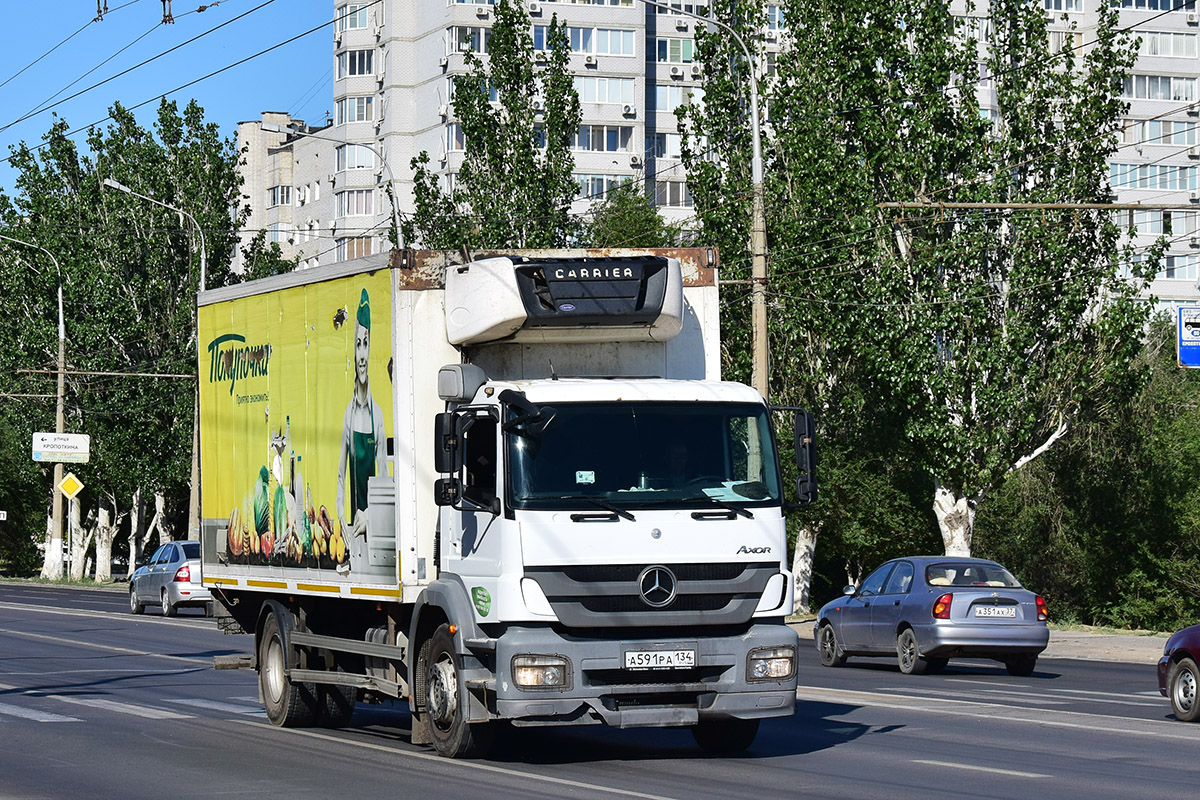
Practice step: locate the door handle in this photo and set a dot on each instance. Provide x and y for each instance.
(896, 603)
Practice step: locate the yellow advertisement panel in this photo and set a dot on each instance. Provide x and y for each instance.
(295, 416)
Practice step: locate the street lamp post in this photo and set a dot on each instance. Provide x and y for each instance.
(758, 228)
(271, 127)
(52, 568)
(194, 498)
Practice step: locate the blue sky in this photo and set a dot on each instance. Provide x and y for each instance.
(295, 77)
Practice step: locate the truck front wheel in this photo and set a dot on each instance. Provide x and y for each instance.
(288, 705)
(725, 735)
(446, 704)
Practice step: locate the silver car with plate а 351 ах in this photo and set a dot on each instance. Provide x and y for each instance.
(925, 610)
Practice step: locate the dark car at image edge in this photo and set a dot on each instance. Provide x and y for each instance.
(1178, 674)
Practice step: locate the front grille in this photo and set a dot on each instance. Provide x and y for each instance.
(609, 596)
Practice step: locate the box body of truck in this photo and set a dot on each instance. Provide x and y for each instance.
(513, 488)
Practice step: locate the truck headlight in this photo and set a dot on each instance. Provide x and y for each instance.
(771, 664)
(541, 672)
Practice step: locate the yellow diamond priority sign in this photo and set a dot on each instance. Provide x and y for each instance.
(70, 486)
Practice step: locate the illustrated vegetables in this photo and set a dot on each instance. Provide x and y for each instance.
(262, 505)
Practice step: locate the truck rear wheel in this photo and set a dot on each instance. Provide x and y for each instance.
(446, 704)
(335, 705)
(725, 735)
(288, 705)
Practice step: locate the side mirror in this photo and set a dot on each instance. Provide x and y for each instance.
(850, 590)
(445, 443)
(447, 491)
(806, 458)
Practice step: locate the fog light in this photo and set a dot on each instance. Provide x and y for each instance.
(771, 664)
(541, 672)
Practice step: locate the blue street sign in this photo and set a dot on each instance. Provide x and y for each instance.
(1187, 346)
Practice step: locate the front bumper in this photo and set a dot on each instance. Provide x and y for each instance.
(601, 690)
(1164, 674)
(950, 640)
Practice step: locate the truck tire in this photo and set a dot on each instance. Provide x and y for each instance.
(725, 735)
(446, 705)
(335, 705)
(288, 705)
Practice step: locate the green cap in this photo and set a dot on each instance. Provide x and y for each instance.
(364, 311)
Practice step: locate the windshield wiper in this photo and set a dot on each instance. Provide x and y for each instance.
(607, 506)
(745, 512)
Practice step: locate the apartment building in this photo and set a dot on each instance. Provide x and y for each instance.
(320, 191)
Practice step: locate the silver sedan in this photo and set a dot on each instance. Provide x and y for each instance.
(925, 610)
(170, 579)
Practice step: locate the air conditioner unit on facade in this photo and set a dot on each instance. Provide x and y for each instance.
(378, 31)
(1193, 195)
(444, 110)
(1194, 242)
(590, 60)
(629, 110)
(676, 72)
(1193, 152)
(337, 39)
(481, 12)
(444, 61)
(770, 36)
(535, 9)
(681, 24)
(1192, 18)
(635, 161)
(697, 70)
(538, 105)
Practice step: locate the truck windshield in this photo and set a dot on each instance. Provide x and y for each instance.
(650, 454)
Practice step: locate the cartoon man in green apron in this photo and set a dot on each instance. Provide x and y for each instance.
(363, 436)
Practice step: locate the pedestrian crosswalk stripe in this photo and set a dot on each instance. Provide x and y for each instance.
(33, 714)
(122, 708)
(216, 705)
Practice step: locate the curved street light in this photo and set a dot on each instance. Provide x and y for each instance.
(120, 187)
(59, 424)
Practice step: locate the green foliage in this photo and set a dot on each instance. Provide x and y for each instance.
(514, 187)
(972, 336)
(627, 218)
(25, 506)
(264, 259)
(130, 270)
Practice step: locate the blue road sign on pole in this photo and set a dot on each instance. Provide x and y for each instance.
(1187, 346)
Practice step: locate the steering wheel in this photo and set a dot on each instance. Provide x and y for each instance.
(711, 479)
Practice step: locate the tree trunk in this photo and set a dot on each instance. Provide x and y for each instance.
(956, 519)
(106, 532)
(80, 540)
(52, 561)
(137, 530)
(802, 569)
(159, 522)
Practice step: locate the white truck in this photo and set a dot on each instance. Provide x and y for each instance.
(511, 488)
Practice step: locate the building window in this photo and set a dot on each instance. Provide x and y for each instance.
(1065, 40)
(602, 2)
(665, 145)
(669, 98)
(694, 8)
(1157, 5)
(351, 156)
(355, 62)
(356, 203)
(455, 140)
(353, 15)
(355, 109)
(674, 194)
(595, 187)
(1164, 43)
(1160, 131)
(775, 20)
(604, 90)
(1181, 268)
(602, 41)
(279, 196)
(471, 2)
(1160, 87)
(603, 138)
(1074, 6)
(462, 38)
(355, 247)
(277, 232)
(1151, 176)
(977, 28)
(675, 51)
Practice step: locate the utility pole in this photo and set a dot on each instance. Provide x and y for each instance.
(52, 565)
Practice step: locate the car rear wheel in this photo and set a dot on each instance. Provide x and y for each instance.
(828, 647)
(134, 606)
(908, 655)
(725, 735)
(168, 609)
(1185, 678)
(1021, 666)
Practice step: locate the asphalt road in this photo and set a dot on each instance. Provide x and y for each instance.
(98, 703)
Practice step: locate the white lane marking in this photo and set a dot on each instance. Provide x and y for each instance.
(110, 648)
(36, 716)
(1089, 692)
(1089, 696)
(216, 705)
(106, 615)
(144, 712)
(1037, 701)
(445, 764)
(1012, 772)
(1128, 726)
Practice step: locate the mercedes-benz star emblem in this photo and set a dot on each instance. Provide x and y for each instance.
(657, 585)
